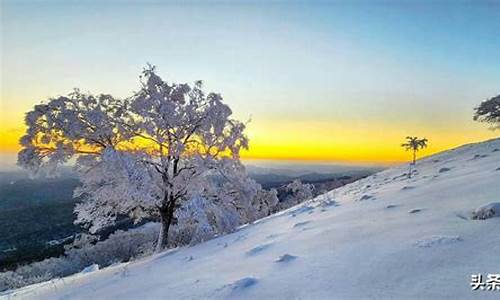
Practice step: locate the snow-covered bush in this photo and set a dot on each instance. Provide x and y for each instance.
(487, 211)
(37, 272)
(265, 202)
(201, 219)
(293, 194)
(11, 280)
(121, 246)
(193, 225)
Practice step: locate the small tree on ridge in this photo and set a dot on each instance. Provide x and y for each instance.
(414, 144)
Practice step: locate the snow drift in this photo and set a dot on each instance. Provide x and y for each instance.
(407, 238)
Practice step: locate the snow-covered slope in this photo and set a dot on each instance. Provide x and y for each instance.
(385, 236)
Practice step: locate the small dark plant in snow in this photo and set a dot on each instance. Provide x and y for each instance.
(414, 144)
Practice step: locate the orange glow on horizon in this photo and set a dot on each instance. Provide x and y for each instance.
(320, 142)
(333, 83)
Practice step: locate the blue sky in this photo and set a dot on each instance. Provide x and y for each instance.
(318, 79)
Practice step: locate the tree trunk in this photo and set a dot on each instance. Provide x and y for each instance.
(167, 210)
(414, 156)
(166, 217)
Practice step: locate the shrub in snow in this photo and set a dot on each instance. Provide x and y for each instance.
(293, 194)
(235, 203)
(327, 200)
(35, 273)
(11, 280)
(193, 225)
(264, 202)
(120, 246)
(487, 211)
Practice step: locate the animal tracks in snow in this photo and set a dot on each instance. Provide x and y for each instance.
(408, 187)
(366, 197)
(301, 210)
(273, 236)
(243, 283)
(437, 240)
(258, 249)
(285, 258)
(442, 170)
(301, 224)
(238, 286)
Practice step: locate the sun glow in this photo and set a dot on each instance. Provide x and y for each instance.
(355, 142)
(327, 83)
(322, 141)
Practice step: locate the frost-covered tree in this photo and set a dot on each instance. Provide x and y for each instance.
(489, 112)
(143, 156)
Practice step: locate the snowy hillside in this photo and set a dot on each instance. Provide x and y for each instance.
(385, 236)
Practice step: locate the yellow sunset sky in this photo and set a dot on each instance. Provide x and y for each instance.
(320, 82)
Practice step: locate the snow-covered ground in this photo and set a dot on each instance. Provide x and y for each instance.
(382, 237)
